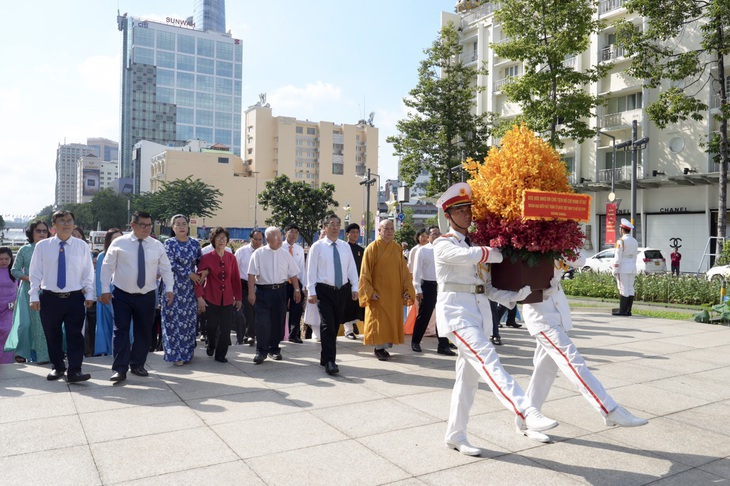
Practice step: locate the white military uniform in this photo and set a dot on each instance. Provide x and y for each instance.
(464, 316)
(624, 262)
(549, 321)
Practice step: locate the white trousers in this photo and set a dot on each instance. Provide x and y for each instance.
(478, 358)
(556, 351)
(350, 326)
(626, 283)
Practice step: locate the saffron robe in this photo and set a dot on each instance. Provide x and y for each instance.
(384, 270)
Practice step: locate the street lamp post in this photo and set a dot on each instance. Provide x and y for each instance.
(368, 182)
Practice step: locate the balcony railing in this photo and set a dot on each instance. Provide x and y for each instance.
(469, 57)
(479, 13)
(619, 119)
(622, 174)
(498, 84)
(610, 5)
(570, 62)
(612, 52)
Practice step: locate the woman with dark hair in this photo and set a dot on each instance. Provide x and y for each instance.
(8, 294)
(180, 319)
(78, 232)
(104, 312)
(27, 338)
(220, 293)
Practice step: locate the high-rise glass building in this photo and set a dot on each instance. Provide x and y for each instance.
(178, 84)
(210, 15)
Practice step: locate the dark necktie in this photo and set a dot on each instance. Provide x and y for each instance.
(338, 266)
(140, 266)
(467, 240)
(61, 280)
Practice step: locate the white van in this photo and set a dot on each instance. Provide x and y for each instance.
(96, 240)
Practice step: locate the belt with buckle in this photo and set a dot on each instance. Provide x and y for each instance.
(466, 288)
(272, 286)
(63, 295)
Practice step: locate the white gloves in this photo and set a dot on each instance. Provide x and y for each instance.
(495, 256)
(523, 293)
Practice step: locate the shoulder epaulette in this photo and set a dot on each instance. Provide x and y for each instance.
(448, 235)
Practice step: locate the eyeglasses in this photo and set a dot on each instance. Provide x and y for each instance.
(64, 222)
(144, 225)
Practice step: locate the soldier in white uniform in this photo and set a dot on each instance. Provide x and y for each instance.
(549, 322)
(624, 268)
(464, 316)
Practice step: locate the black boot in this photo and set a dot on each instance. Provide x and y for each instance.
(621, 311)
(629, 305)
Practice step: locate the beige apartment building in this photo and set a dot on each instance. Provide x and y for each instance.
(92, 175)
(219, 168)
(677, 181)
(315, 152)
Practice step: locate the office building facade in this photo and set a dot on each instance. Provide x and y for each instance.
(178, 84)
(67, 157)
(92, 175)
(677, 180)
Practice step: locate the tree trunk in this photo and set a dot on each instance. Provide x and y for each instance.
(722, 192)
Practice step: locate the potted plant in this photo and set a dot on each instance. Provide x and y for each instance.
(525, 165)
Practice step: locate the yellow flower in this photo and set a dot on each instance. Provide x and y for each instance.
(524, 161)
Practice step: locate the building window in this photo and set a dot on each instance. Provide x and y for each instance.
(144, 56)
(222, 160)
(512, 71)
(224, 103)
(185, 80)
(224, 68)
(206, 66)
(338, 169)
(166, 59)
(165, 77)
(144, 37)
(224, 51)
(624, 103)
(223, 86)
(165, 40)
(204, 101)
(205, 83)
(185, 62)
(311, 131)
(299, 130)
(186, 44)
(206, 48)
(185, 98)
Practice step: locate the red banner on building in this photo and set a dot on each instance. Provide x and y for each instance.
(556, 205)
(611, 223)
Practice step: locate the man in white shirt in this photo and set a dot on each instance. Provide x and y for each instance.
(332, 278)
(132, 264)
(295, 308)
(424, 281)
(61, 285)
(247, 332)
(268, 271)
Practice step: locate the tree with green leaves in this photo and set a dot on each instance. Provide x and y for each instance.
(441, 128)
(297, 203)
(181, 196)
(547, 36)
(662, 56)
(44, 214)
(108, 209)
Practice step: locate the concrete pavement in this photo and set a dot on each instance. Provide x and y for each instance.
(288, 423)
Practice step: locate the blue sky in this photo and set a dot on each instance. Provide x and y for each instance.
(316, 60)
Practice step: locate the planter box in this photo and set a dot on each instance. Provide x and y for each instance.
(514, 276)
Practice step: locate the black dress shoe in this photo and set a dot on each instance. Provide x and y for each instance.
(416, 347)
(452, 346)
(250, 341)
(331, 368)
(446, 351)
(77, 377)
(513, 324)
(275, 356)
(210, 351)
(117, 376)
(295, 340)
(55, 374)
(139, 371)
(496, 340)
(222, 360)
(259, 358)
(381, 354)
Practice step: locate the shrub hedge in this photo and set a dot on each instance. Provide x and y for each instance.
(686, 289)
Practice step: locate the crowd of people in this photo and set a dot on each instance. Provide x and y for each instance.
(61, 303)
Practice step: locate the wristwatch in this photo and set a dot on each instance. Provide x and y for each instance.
(297, 290)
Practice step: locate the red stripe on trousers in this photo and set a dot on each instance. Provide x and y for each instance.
(575, 372)
(489, 376)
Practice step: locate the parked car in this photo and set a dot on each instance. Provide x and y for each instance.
(648, 260)
(718, 272)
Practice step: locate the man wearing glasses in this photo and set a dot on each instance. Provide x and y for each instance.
(61, 284)
(132, 264)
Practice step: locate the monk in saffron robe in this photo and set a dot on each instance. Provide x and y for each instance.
(385, 287)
